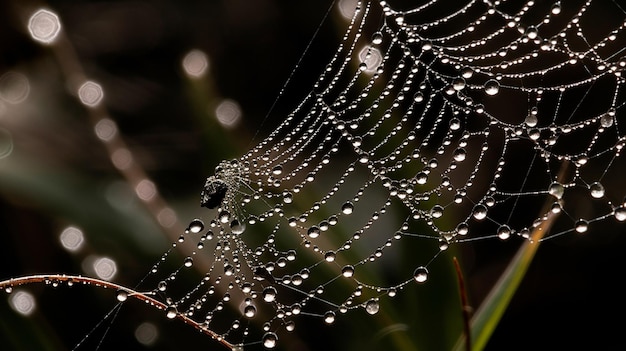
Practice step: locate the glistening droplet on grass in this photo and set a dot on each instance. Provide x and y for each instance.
(492, 87)
(420, 274)
(90, 94)
(372, 306)
(44, 26)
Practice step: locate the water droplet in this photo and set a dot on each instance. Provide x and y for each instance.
(347, 271)
(270, 340)
(479, 212)
(532, 33)
(436, 211)
(224, 216)
(462, 228)
(556, 189)
(458, 83)
(620, 213)
(372, 306)
(467, 73)
(121, 295)
(196, 226)
(455, 124)
(556, 8)
(329, 317)
(171, 312)
(418, 97)
(162, 285)
(597, 190)
(492, 87)
(330, 256)
(269, 294)
(504, 232)
(287, 197)
(277, 170)
(229, 270)
(377, 38)
(347, 208)
(249, 311)
(606, 120)
(460, 154)
(421, 178)
(581, 225)
(420, 274)
(188, 262)
(290, 326)
(313, 232)
(364, 157)
(237, 227)
(531, 120)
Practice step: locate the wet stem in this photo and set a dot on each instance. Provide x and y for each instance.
(10, 284)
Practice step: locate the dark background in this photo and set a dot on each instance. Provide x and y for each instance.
(59, 173)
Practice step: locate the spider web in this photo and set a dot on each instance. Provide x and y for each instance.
(480, 125)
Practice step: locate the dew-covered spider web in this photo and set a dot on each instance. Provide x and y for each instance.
(431, 126)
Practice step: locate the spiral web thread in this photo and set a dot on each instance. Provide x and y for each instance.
(418, 133)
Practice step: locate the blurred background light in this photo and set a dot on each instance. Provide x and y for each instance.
(146, 190)
(347, 7)
(371, 57)
(146, 333)
(228, 113)
(44, 26)
(14, 87)
(105, 268)
(6, 143)
(90, 93)
(106, 129)
(195, 63)
(72, 238)
(23, 302)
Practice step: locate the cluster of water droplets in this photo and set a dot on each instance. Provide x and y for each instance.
(482, 124)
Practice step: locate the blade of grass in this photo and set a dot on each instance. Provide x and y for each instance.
(490, 312)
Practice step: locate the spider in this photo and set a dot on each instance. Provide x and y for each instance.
(213, 193)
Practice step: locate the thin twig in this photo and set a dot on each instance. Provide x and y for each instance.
(62, 278)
